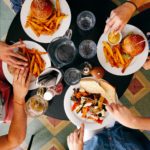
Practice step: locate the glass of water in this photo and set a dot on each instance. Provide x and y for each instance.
(72, 76)
(87, 49)
(86, 20)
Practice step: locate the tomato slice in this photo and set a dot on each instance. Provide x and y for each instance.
(99, 121)
(74, 106)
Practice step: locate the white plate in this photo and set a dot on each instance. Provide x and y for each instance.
(77, 120)
(136, 63)
(29, 44)
(64, 26)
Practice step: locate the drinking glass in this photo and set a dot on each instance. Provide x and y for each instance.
(36, 105)
(86, 20)
(87, 49)
(72, 76)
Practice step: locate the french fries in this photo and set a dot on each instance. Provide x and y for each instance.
(35, 62)
(115, 56)
(105, 44)
(46, 27)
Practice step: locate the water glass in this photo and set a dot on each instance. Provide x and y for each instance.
(72, 76)
(86, 20)
(87, 49)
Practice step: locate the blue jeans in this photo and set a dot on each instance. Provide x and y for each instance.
(16, 5)
(118, 138)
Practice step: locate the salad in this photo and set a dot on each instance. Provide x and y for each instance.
(89, 106)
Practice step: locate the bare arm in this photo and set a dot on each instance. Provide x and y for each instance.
(17, 130)
(138, 3)
(142, 123)
(123, 115)
(120, 16)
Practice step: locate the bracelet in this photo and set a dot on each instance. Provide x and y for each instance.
(18, 103)
(132, 4)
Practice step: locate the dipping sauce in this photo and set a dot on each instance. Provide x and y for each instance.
(114, 38)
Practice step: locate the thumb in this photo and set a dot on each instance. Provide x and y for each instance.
(109, 109)
(81, 132)
(11, 47)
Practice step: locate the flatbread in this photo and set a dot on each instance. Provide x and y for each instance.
(99, 87)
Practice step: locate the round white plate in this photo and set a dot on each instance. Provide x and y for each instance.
(29, 44)
(136, 63)
(64, 26)
(77, 120)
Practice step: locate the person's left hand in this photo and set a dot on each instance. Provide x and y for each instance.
(75, 139)
(122, 114)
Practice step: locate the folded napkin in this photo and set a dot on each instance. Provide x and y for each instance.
(7, 95)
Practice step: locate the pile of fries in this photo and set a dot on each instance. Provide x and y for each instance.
(35, 62)
(46, 27)
(116, 57)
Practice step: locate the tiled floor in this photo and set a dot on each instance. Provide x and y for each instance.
(51, 133)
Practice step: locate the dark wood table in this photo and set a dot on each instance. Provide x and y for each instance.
(101, 9)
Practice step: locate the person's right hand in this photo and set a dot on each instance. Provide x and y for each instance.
(75, 139)
(119, 17)
(12, 58)
(21, 83)
(146, 66)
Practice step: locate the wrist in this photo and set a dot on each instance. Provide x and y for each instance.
(20, 100)
(130, 6)
(135, 122)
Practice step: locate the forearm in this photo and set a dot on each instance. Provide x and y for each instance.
(141, 123)
(19, 122)
(17, 130)
(138, 3)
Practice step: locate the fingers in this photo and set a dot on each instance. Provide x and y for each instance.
(117, 27)
(71, 138)
(109, 108)
(21, 75)
(28, 79)
(75, 136)
(16, 55)
(24, 76)
(81, 132)
(17, 62)
(114, 107)
(109, 24)
(147, 64)
(9, 62)
(16, 74)
(11, 47)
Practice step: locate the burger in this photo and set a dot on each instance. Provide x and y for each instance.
(41, 9)
(133, 44)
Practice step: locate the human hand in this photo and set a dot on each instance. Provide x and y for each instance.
(12, 58)
(146, 66)
(21, 84)
(75, 139)
(122, 114)
(119, 17)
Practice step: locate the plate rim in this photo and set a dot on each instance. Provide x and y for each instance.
(8, 75)
(44, 38)
(105, 65)
(77, 121)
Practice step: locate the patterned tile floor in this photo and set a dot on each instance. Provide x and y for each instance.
(51, 133)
